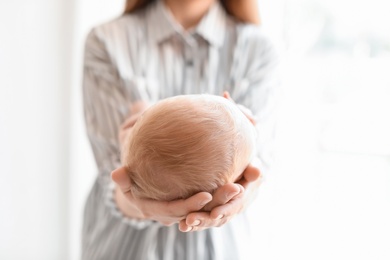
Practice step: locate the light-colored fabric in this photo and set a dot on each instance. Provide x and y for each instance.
(147, 56)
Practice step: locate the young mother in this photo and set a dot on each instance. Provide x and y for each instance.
(158, 49)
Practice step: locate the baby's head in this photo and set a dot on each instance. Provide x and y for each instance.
(186, 144)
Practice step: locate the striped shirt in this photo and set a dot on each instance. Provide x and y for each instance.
(146, 55)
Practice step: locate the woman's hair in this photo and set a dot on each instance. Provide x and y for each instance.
(134, 5)
(187, 144)
(244, 15)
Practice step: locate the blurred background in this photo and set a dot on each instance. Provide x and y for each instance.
(329, 194)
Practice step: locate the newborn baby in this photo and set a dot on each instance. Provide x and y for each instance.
(186, 144)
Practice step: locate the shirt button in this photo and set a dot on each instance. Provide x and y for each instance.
(189, 63)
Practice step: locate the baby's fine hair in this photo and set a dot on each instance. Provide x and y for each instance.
(186, 144)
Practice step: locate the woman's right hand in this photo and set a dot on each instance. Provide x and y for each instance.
(228, 201)
(165, 212)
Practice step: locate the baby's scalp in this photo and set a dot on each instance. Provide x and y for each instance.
(186, 144)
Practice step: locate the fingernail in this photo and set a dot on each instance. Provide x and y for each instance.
(231, 194)
(220, 216)
(203, 203)
(188, 229)
(196, 222)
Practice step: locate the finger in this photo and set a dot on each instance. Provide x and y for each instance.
(194, 229)
(197, 222)
(122, 179)
(251, 174)
(129, 122)
(222, 195)
(158, 210)
(229, 209)
(139, 106)
(227, 96)
(183, 227)
(136, 110)
(169, 212)
(212, 223)
(125, 128)
(194, 203)
(196, 218)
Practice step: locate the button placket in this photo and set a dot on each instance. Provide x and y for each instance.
(189, 62)
(190, 47)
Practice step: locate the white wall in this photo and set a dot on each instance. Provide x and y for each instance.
(34, 129)
(330, 195)
(46, 168)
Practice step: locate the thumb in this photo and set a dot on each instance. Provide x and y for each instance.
(121, 177)
(250, 175)
(227, 96)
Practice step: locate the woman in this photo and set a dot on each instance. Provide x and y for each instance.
(155, 50)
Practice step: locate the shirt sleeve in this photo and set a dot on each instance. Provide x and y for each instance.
(105, 108)
(257, 87)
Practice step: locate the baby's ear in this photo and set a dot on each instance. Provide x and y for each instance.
(122, 178)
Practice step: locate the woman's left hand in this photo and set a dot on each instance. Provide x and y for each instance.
(228, 201)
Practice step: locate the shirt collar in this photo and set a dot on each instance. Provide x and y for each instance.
(161, 25)
(212, 27)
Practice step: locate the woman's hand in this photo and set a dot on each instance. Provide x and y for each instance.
(228, 201)
(165, 212)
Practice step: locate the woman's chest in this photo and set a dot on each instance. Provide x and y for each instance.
(180, 66)
(190, 69)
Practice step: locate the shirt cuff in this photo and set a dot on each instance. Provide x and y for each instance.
(115, 211)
